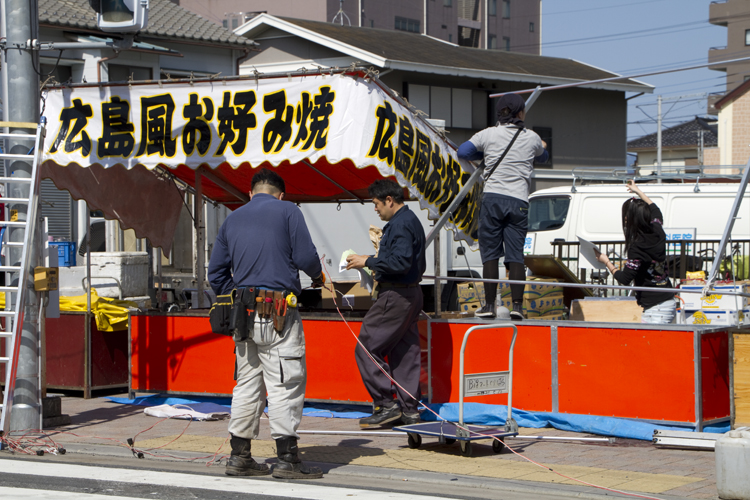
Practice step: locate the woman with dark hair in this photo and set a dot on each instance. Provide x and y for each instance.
(645, 247)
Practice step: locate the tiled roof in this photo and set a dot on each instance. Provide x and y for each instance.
(166, 21)
(682, 135)
(419, 49)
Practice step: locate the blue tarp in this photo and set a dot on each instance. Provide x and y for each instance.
(484, 414)
(201, 403)
(474, 413)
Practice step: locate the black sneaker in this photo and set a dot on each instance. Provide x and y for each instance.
(487, 311)
(410, 418)
(517, 313)
(381, 416)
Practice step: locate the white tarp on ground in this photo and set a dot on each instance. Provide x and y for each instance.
(341, 124)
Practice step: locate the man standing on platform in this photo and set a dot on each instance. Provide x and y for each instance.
(259, 250)
(390, 326)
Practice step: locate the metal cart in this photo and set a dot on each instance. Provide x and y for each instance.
(472, 384)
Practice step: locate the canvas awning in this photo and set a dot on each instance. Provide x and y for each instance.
(328, 135)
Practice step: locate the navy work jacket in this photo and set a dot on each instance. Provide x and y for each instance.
(401, 257)
(263, 244)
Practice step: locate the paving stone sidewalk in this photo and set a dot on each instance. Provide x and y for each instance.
(629, 465)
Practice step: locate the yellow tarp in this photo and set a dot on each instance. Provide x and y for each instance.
(111, 314)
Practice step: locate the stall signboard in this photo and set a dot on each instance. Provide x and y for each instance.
(334, 120)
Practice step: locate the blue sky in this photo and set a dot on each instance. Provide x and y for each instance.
(656, 35)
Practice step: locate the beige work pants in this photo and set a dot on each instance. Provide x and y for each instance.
(275, 364)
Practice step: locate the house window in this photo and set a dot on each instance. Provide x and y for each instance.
(235, 23)
(506, 43)
(506, 9)
(492, 42)
(372, 23)
(406, 24)
(448, 3)
(450, 38)
(224, 23)
(531, 27)
(492, 6)
(545, 133)
(747, 37)
(123, 73)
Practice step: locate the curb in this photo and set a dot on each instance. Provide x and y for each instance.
(353, 471)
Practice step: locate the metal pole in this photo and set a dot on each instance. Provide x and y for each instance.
(200, 267)
(21, 24)
(87, 325)
(730, 225)
(475, 176)
(658, 138)
(438, 287)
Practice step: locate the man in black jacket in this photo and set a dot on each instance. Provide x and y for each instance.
(390, 326)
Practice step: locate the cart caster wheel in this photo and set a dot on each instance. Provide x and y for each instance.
(466, 448)
(511, 425)
(498, 446)
(449, 440)
(414, 440)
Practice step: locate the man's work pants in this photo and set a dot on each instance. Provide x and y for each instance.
(390, 329)
(277, 367)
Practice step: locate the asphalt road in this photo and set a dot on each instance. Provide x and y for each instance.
(88, 477)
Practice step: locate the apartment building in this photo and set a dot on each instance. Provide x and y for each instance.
(735, 16)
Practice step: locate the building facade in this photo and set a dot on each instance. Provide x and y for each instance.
(732, 14)
(510, 25)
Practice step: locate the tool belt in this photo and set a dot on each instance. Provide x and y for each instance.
(234, 314)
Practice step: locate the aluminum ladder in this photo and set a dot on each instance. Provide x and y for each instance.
(13, 314)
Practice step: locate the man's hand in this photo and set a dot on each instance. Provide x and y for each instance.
(319, 281)
(356, 261)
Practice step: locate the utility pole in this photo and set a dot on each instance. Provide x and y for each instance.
(658, 138)
(22, 24)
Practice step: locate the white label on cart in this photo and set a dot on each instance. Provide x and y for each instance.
(481, 384)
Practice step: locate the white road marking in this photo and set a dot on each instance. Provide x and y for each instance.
(180, 480)
(28, 494)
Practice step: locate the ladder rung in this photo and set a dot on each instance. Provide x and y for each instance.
(12, 223)
(17, 136)
(6, 334)
(9, 289)
(12, 243)
(11, 180)
(15, 200)
(4, 360)
(10, 156)
(4, 312)
(9, 269)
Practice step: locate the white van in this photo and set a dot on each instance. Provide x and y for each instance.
(594, 212)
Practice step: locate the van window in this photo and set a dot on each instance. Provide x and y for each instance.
(548, 212)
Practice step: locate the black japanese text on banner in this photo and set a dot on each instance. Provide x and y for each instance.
(269, 120)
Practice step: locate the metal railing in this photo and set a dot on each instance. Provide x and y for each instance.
(682, 256)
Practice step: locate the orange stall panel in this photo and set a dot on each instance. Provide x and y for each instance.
(715, 375)
(631, 373)
(487, 351)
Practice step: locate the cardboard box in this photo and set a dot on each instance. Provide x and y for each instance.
(45, 279)
(470, 307)
(711, 317)
(470, 292)
(553, 316)
(553, 303)
(350, 295)
(717, 301)
(534, 288)
(606, 311)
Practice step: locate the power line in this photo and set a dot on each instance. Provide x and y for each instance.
(629, 4)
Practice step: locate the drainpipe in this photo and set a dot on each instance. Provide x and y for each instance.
(99, 66)
(240, 60)
(424, 32)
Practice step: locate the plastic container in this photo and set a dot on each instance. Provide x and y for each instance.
(733, 465)
(66, 252)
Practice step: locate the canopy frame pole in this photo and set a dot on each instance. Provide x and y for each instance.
(223, 184)
(361, 201)
(728, 229)
(469, 184)
(199, 260)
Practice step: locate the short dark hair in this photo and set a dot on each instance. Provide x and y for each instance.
(266, 176)
(383, 188)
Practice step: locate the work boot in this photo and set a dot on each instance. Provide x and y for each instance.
(381, 416)
(241, 463)
(487, 311)
(517, 313)
(289, 465)
(410, 418)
